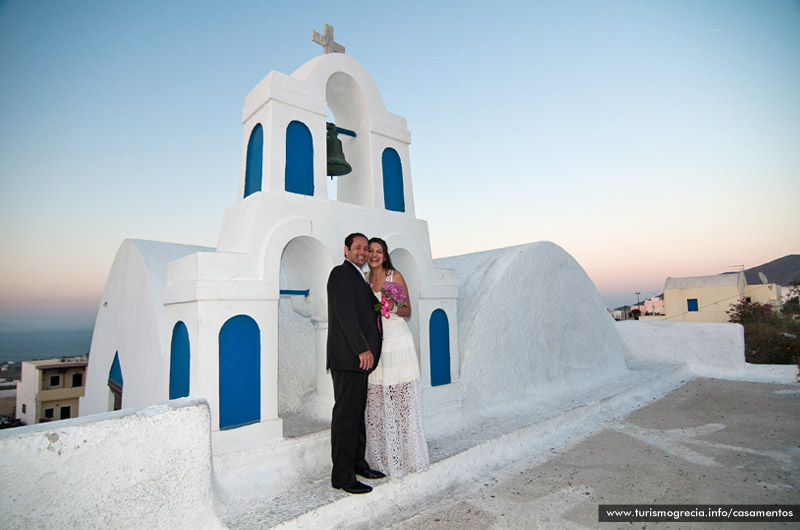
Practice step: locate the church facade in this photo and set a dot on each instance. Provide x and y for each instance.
(244, 325)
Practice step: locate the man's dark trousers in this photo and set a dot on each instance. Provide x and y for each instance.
(348, 428)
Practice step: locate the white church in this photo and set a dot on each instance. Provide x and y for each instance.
(245, 325)
(206, 380)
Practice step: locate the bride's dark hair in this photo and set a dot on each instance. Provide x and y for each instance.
(387, 260)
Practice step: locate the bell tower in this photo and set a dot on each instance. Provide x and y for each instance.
(263, 288)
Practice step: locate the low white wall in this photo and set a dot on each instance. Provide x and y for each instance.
(707, 349)
(143, 468)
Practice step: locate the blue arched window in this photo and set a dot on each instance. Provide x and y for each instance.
(440, 348)
(255, 158)
(115, 382)
(393, 198)
(239, 372)
(179, 358)
(115, 374)
(299, 159)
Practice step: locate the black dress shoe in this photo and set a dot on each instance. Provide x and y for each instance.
(371, 473)
(356, 487)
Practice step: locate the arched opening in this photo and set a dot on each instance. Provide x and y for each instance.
(302, 331)
(348, 107)
(299, 176)
(239, 372)
(440, 348)
(332, 188)
(115, 384)
(254, 164)
(393, 198)
(179, 360)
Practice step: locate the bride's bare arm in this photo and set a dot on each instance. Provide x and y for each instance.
(404, 310)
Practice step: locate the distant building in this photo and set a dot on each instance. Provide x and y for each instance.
(50, 389)
(708, 298)
(768, 293)
(620, 313)
(654, 306)
(8, 397)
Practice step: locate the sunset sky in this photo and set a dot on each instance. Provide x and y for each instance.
(647, 138)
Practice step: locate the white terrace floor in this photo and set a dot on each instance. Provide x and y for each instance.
(711, 441)
(466, 452)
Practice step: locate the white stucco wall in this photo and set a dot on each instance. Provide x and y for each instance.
(516, 334)
(145, 468)
(707, 349)
(27, 387)
(130, 321)
(704, 347)
(296, 358)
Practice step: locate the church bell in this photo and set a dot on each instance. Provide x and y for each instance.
(337, 165)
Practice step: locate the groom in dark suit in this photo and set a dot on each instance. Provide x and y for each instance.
(354, 347)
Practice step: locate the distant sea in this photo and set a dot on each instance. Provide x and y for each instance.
(28, 345)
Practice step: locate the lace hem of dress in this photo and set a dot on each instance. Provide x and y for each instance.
(395, 438)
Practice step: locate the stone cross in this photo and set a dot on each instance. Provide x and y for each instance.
(326, 40)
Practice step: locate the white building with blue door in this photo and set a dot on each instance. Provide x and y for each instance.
(506, 365)
(245, 325)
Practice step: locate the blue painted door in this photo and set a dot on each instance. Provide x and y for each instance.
(239, 372)
(440, 348)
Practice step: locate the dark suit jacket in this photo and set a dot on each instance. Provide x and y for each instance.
(352, 320)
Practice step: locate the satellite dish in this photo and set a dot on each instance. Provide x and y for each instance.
(762, 277)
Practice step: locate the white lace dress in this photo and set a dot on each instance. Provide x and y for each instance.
(395, 438)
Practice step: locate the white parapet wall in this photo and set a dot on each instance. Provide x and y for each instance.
(138, 468)
(707, 349)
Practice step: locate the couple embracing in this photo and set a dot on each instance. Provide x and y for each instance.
(376, 426)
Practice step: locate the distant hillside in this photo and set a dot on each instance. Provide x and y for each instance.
(782, 271)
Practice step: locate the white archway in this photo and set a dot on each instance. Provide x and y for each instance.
(302, 329)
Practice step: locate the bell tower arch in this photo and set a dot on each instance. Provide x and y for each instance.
(346, 102)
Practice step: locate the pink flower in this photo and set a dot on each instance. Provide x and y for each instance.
(390, 292)
(395, 292)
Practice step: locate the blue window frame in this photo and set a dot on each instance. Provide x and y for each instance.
(440, 348)
(179, 361)
(115, 374)
(254, 164)
(299, 159)
(692, 304)
(115, 381)
(393, 198)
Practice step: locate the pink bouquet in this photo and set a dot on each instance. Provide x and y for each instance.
(390, 292)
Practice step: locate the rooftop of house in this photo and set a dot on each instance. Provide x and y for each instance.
(59, 362)
(694, 282)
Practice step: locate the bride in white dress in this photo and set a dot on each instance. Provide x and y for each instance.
(395, 439)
